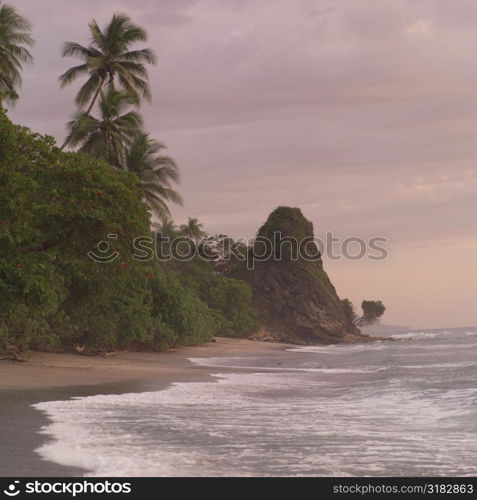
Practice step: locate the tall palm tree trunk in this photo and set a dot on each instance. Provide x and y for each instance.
(98, 90)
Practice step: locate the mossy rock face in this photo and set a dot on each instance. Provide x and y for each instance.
(287, 221)
(293, 296)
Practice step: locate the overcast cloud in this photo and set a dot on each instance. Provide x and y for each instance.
(362, 113)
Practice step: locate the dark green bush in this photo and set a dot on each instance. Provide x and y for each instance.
(54, 208)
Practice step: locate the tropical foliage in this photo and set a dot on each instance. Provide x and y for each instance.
(193, 229)
(167, 227)
(157, 173)
(107, 136)
(229, 298)
(109, 59)
(116, 134)
(55, 207)
(372, 312)
(15, 39)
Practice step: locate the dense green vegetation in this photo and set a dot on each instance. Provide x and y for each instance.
(55, 207)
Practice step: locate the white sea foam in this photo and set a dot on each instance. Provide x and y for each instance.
(415, 335)
(290, 419)
(252, 424)
(429, 335)
(443, 347)
(241, 363)
(441, 365)
(341, 348)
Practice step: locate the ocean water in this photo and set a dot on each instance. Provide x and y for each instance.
(405, 408)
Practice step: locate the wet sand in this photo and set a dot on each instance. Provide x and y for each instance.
(48, 377)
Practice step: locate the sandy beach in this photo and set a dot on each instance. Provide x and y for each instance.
(48, 376)
(48, 370)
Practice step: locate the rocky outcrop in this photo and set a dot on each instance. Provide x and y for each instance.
(293, 296)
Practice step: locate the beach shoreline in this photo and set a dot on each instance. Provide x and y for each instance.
(48, 370)
(51, 376)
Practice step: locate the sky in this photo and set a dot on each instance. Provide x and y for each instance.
(363, 114)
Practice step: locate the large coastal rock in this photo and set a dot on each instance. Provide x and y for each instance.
(294, 298)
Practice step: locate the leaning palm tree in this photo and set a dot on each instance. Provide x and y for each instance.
(108, 59)
(14, 40)
(193, 229)
(156, 172)
(108, 136)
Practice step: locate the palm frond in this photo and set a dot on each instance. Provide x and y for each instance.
(130, 67)
(134, 84)
(139, 56)
(109, 57)
(14, 40)
(71, 74)
(11, 20)
(87, 90)
(161, 209)
(73, 49)
(97, 38)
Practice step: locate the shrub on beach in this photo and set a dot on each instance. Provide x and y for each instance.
(230, 298)
(180, 316)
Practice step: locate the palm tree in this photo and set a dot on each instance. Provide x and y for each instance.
(14, 40)
(156, 172)
(193, 230)
(108, 136)
(107, 58)
(167, 227)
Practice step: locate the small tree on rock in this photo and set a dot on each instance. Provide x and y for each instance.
(372, 312)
